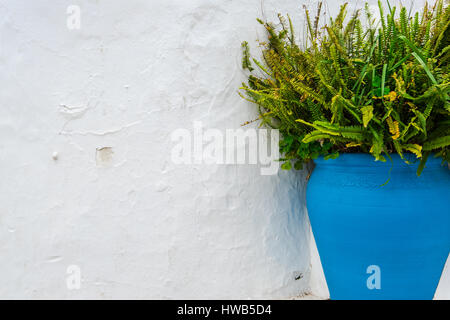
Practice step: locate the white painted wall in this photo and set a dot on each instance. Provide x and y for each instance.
(136, 224)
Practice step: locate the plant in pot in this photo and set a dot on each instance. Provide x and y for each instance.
(367, 100)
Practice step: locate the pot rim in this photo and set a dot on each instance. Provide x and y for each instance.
(367, 160)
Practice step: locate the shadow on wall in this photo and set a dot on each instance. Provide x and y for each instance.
(288, 240)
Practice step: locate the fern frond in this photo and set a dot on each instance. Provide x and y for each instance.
(367, 113)
(437, 143)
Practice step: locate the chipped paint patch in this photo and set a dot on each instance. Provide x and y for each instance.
(104, 156)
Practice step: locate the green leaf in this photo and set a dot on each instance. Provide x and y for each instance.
(287, 165)
(413, 47)
(315, 135)
(422, 163)
(298, 165)
(331, 156)
(383, 79)
(414, 148)
(437, 143)
(367, 113)
(315, 155)
(376, 81)
(425, 67)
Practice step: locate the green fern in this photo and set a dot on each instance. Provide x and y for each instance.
(357, 86)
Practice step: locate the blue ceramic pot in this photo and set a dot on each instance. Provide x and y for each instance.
(380, 242)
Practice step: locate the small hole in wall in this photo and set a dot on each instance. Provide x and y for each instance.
(104, 156)
(298, 275)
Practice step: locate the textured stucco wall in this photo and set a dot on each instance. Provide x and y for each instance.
(136, 224)
(85, 167)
